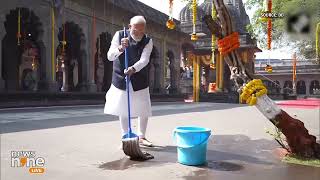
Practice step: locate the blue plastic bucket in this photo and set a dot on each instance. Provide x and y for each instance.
(192, 145)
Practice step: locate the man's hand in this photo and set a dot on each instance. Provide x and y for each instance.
(131, 70)
(124, 43)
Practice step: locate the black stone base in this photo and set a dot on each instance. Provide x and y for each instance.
(220, 97)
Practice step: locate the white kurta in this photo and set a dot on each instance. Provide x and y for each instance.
(116, 99)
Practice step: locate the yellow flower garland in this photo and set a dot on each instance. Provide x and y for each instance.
(194, 36)
(194, 11)
(317, 40)
(213, 38)
(252, 90)
(19, 27)
(269, 25)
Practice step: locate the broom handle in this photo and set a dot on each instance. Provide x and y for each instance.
(127, 83)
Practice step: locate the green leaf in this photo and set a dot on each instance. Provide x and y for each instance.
(294, 159)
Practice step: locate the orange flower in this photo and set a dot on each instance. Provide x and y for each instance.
(171, 24)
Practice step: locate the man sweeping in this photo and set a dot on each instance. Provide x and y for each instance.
(138, 48)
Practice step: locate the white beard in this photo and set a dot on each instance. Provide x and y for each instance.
(135, 38)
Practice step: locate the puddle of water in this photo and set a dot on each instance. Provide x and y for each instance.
(208, 170)
(202, 174)
(121, 164)
(162, 154)
(223, 166)
(234, 171)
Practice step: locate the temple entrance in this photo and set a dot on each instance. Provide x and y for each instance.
(69, 60)
(170, 72)
(28, 69)
(314, 87)
(301, 87)
(154, 71)
(287, 88)
(21, 52)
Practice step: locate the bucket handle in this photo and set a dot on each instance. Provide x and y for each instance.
(174, 135)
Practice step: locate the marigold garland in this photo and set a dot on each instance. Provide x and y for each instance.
(252, 90)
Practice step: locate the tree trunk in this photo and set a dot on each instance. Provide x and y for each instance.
(298, 137)
(299, 140)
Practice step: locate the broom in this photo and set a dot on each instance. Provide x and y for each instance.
(130, 141)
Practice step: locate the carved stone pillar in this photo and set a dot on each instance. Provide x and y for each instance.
(2, 34)
(308, 83)
(281, 84)
(156, 87)
(151, 76)
(90, 68)
(65, 75)
(49, 62)
(172, 75)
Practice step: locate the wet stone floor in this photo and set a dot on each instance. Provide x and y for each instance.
(228, 157)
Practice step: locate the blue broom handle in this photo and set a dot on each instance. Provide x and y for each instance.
(127, 84)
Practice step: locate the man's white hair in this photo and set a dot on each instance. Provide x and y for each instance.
(138, 20)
